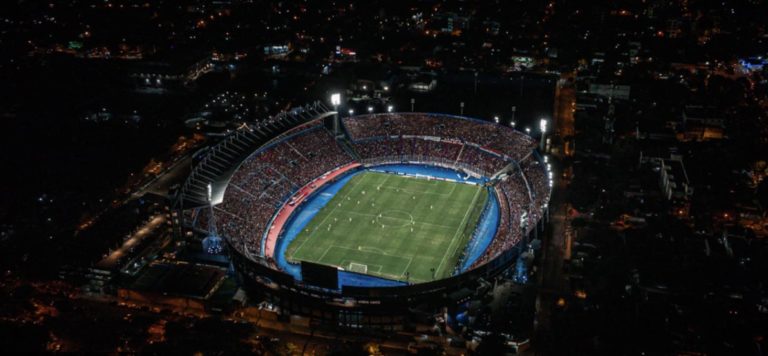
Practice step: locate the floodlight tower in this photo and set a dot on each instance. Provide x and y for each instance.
(212, 242)
(543, 141)
(336, 101)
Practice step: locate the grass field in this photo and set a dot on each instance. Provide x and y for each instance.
(396, 227)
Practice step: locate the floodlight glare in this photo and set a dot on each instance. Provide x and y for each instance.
(335, 99)
(370, 109)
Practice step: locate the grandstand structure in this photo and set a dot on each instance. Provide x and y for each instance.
(264, 176)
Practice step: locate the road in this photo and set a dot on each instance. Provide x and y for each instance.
(556, 247)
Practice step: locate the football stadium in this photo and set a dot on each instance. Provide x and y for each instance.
(366, 220)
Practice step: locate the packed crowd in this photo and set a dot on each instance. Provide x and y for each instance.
(412, 147)
(488, 135)
(447, 152)
(513, 203)
(485, 162)
(265, 180)
(539, 185)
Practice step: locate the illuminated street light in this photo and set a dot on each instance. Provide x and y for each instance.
(370, 109)
(351, 112)
(528, 130)
(496, 119)
(512, 123)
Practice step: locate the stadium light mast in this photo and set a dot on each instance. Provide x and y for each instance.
(336, 101)
(543, 141)
(413, 101)
(212, 242)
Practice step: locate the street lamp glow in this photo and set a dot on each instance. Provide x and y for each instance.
(390, 108)
(335, 99)
(386, 88)
(370, 109)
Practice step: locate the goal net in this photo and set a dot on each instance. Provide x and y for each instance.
(357, 267)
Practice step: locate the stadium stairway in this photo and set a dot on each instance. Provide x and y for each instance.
(508, 169)
(347, 147)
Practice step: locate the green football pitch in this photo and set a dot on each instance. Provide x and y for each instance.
(386, 225)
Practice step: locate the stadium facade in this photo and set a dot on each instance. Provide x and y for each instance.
(260, 177)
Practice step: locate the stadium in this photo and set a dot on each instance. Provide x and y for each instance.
(368, 220)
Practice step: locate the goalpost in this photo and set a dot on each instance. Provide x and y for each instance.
(358, 267)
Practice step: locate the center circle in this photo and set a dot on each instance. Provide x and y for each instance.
(394, 218)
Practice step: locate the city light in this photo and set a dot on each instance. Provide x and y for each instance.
(496, 119)
(528, 130)
(370, 109)
(543, 125)
(512, 123)
(351, 111)
(390, 108)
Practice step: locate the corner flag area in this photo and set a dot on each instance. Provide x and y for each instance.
(396, 227)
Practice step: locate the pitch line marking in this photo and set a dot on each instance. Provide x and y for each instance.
(325, 218)
(396, 218)
(463, 221)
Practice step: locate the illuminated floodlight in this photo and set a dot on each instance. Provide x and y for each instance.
(543, 125)
(528, 130)
(335, 99)
(351, 111)
(386, 88)
(370, 109)
(512, 123)
(390, 108)
(496, 119)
